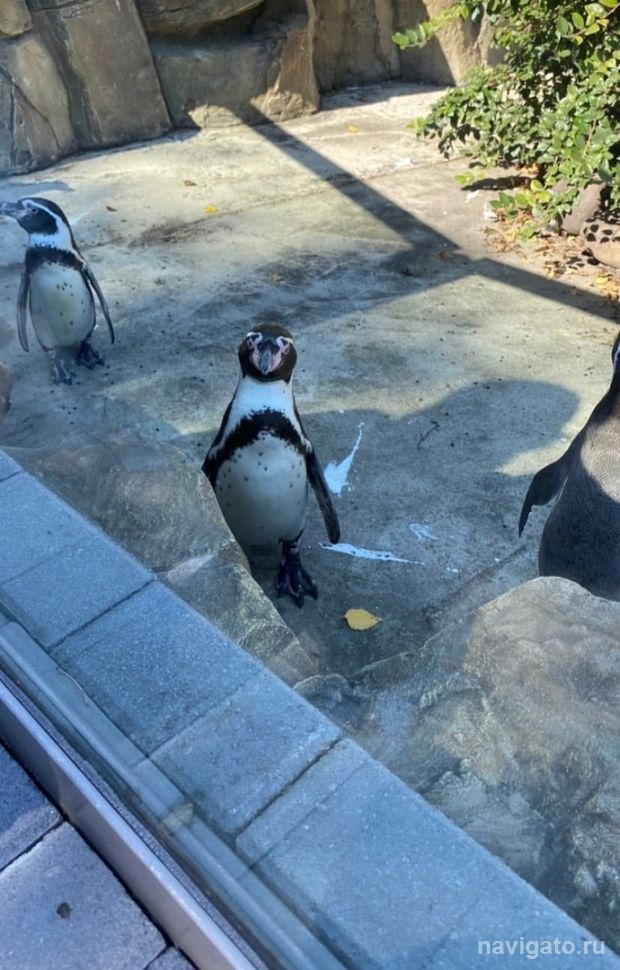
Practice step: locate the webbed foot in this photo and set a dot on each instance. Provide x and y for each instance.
(292, 578)
(59, 371)
(87, 356)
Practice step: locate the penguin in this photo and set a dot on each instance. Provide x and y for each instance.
(57, 286)
(581, 537)
(261, 461)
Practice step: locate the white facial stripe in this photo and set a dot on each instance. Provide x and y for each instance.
(255, 335)
(35, 204)
(60, 239)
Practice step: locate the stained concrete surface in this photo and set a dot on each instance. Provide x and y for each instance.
(463, 371)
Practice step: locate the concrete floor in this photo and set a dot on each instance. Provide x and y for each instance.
(457, 373)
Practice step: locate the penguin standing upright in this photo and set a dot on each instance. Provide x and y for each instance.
(57, 286)
(581, 537)
(260, 462)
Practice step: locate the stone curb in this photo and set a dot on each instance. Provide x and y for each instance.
(289, 819)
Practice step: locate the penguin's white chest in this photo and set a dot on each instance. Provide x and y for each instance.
(61, 306)
(263, 491)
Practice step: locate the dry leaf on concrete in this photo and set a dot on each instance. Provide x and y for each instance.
(361, 619)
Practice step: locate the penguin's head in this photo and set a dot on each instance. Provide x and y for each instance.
(267, 353)
(43, 220)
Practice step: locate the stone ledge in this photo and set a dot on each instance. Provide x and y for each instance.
(331, 838)
(389, 880)
(156, 799)
(239, 756)
(157, 504)
(72, 588)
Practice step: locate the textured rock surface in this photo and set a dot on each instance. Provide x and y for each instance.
(272, 71)
(101, 51)
(447, 58)
(14, 18)
(353, 42)
(508, 721)
(146, 495)
(34, 101)
(583, 209)
(187, 17)
(160, 507)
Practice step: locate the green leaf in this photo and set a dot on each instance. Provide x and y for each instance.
(564, 27)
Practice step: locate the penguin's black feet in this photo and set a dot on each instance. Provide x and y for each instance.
(59, 371)
(292, 578)
(87, 356)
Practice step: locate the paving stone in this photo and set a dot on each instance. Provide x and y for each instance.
(237, 758)
(171, 960)
(290, 810)
(25, 813)
(62, 594)
(34, 525)
(28, 663)
(8, 467)
(512, 913)
(388, 875)
(61, 899)
(154, 665)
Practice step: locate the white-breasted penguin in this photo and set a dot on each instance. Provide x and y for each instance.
(261, 461)
(57, 286)
(581, 537)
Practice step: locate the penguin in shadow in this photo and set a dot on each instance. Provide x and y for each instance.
(581, 537)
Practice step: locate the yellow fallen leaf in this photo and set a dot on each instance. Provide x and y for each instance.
(361, 619)
(353, 129)
(210, 210)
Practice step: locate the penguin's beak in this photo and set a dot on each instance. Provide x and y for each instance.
(266, 358)
(12, 209)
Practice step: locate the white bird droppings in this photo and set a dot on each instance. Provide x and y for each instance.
(337, 473)
(421, 532)
(360, 553)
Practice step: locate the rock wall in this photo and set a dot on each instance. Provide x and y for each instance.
(447, 58)
(258, 66)
(85, 74)
(353, 42)
(508, 721)
(74, 76)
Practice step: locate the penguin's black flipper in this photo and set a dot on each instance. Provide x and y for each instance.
(211, 464)
(317, 480)
(22, 310)
(209, 468)
(545, 485)
(90, 276)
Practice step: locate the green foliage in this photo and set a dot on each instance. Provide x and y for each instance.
(552, 107)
